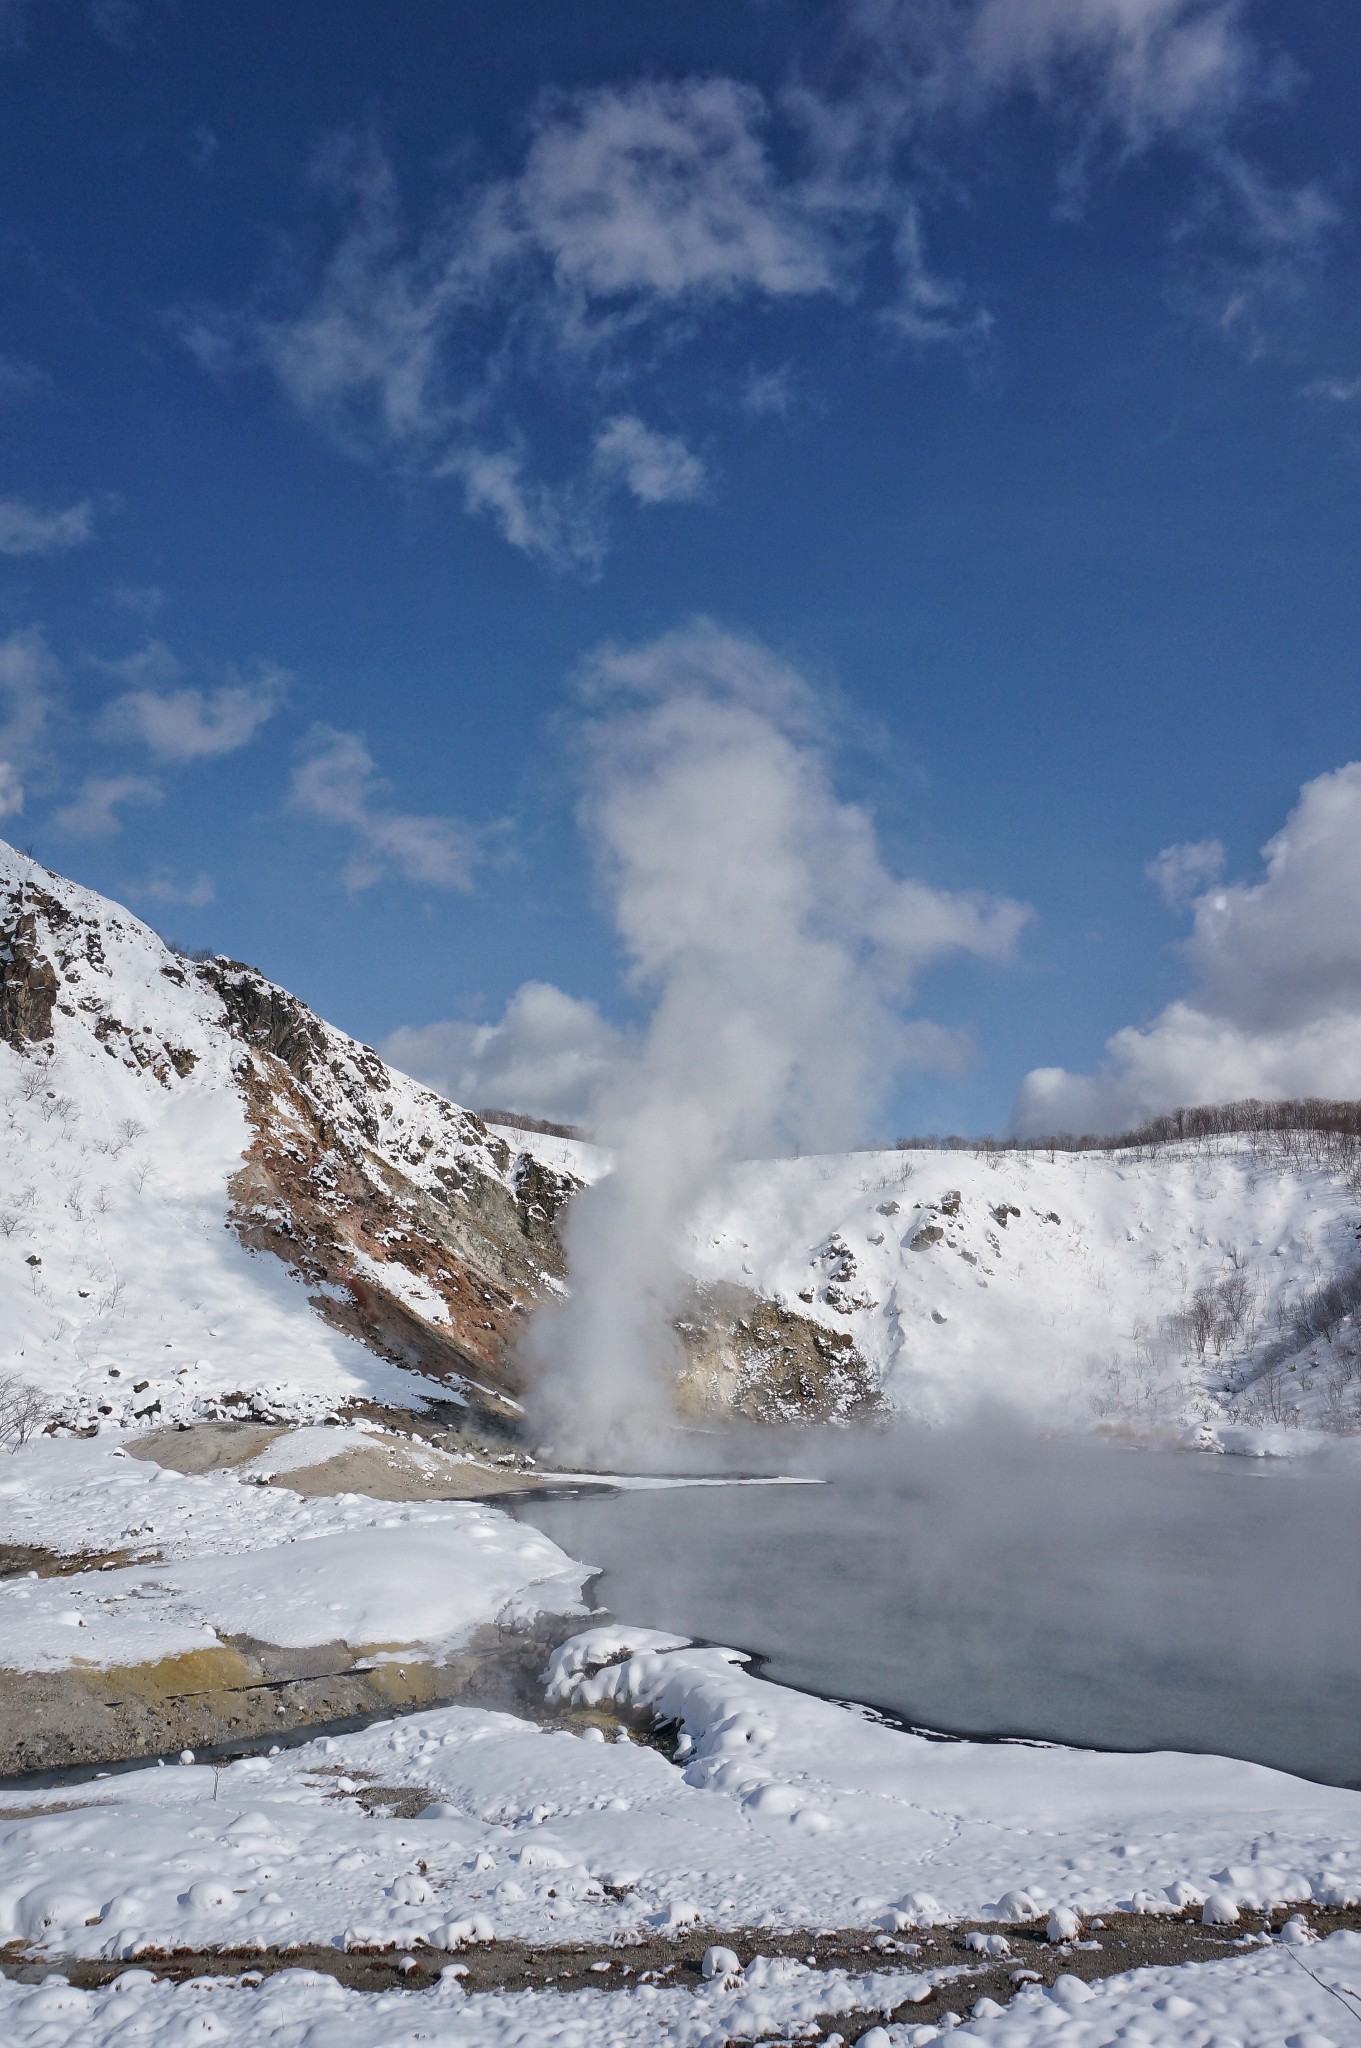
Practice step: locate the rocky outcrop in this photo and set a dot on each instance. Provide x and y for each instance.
(414, 1226)
(28, 980)
(749, 1357)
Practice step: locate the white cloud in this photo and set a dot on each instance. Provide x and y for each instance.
(662, 191)
(548, 1055)
(26, 531)
(29, 675)
(164, 889)
(336, 782)
(560, 525)
(658, 468)
(1116, 80)
(144, 600)
(1275, 1007)
(1143, 68)
(769, 392)
(93, 812)
(634, 204)
(1334, 390)
(190, 724)
(1181, 872)
(641, 210)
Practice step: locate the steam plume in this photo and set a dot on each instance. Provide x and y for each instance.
(779, 952)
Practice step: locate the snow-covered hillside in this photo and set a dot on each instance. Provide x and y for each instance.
(210, 1200)
(1189, 1286)
(205, 1192)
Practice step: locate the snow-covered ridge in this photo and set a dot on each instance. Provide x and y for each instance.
(1178, 1288)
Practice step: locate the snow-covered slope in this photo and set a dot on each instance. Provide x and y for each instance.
(207, 1192)
(1183, 1286)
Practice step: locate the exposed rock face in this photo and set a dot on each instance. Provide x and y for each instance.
(28, 980)
(749, 1357)
(51, 957)
(419, 1230)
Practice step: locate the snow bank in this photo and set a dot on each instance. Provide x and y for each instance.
(960, 1829)
(779, 1811)
(226, 1557)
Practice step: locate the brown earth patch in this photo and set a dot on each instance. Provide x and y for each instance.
(204, 1446)
(1127, 1942)
(398, 1472)
(382, 1466)
(21, 1560)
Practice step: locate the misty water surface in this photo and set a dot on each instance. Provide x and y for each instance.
(976, 1583)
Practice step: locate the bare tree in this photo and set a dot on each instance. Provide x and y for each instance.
(24, 1410)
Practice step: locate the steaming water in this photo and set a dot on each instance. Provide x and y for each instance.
(1116, 1599)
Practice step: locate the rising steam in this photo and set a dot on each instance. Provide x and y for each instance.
(778, 952)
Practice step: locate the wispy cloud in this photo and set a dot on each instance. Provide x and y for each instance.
(180, 724)
(640, 213)
(93, 812)
(29, 677)
(657, 468)
(769, 393)
(164, 889)
(1180, 872)
(26, 531)
(635, 208)
(562, 523)
(143, 600)
(337, 783)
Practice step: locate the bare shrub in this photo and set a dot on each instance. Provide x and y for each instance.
(1342, 1397)
(1220, 1316)
(24, 1410)
(1272, 1400)
(1133, 1386)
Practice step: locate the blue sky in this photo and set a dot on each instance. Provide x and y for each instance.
(994, 363)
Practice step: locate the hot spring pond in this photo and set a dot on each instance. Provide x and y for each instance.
(1107, 1597)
